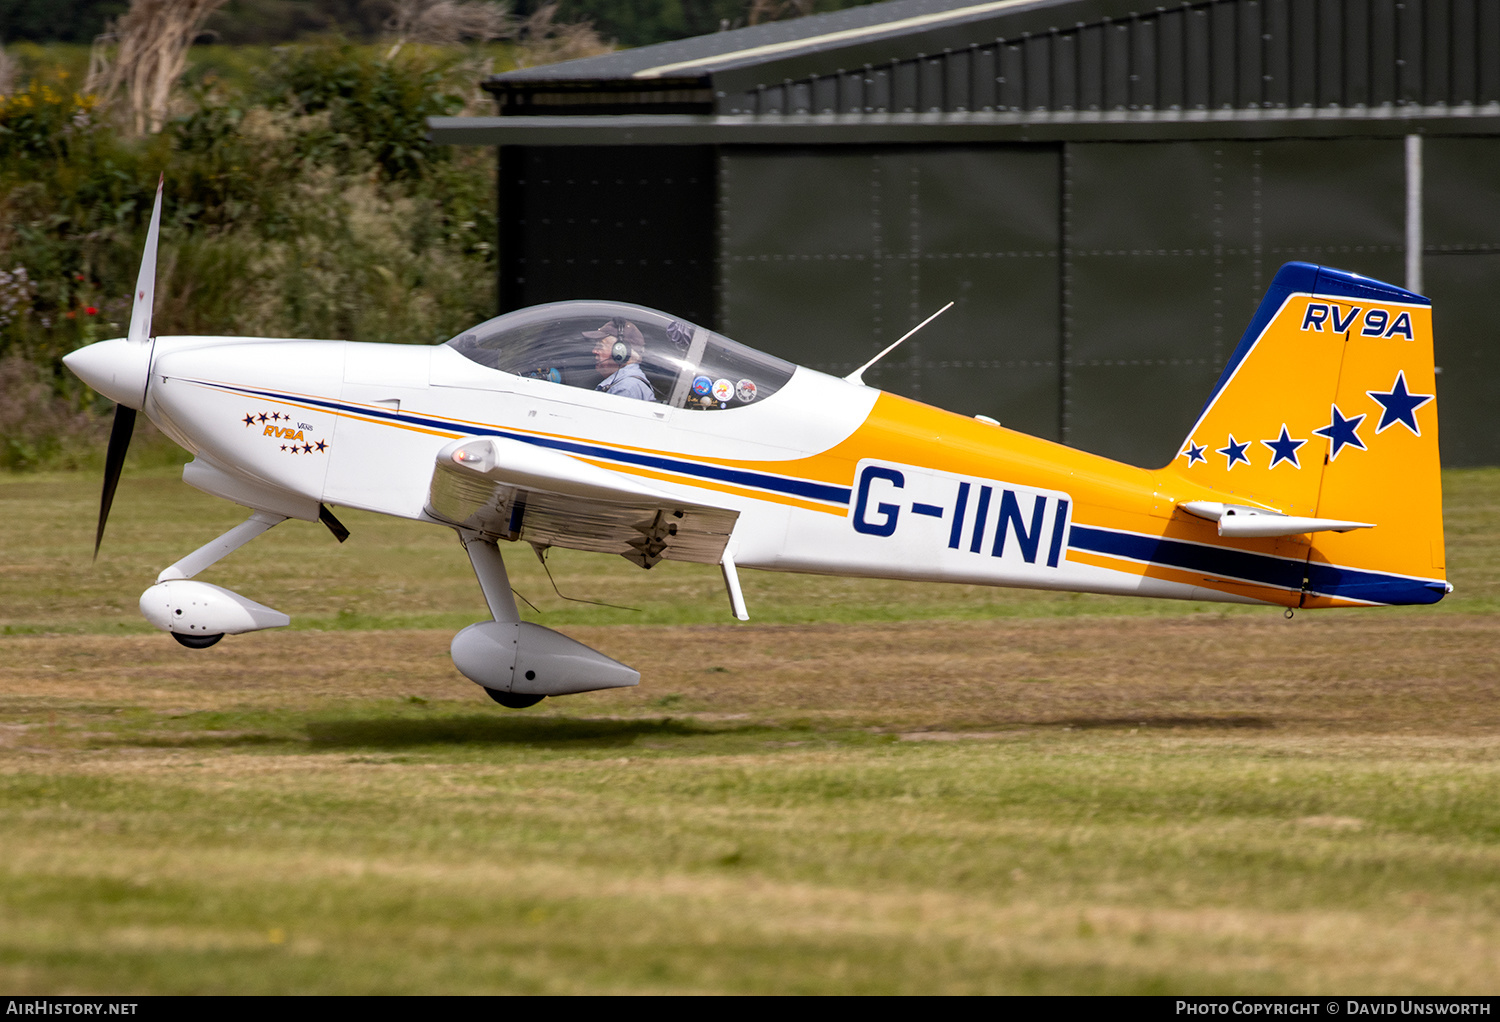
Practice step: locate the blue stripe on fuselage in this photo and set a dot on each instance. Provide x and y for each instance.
(1261, 569)
(739, 477)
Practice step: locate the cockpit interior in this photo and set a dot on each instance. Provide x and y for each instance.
(686, 365)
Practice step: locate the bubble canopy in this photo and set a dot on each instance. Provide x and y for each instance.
(584, 344)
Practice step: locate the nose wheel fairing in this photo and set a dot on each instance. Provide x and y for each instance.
(199, 614)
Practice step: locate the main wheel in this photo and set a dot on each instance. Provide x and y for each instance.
(513, 700)
(197, 641)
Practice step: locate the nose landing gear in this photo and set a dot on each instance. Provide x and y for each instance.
(198, 614)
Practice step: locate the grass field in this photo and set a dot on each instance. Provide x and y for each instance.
(873, 787)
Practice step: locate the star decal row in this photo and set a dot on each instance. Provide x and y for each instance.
(1398, 406)
(313, 448)
(252, 419)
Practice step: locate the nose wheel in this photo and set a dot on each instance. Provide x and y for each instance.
(197, 641)
(512, 700)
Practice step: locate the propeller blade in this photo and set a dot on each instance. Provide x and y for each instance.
(139, 333)
(114, 462)
(145, 284)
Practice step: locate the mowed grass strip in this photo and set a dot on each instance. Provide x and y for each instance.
(1102, 805)
(1346, 672)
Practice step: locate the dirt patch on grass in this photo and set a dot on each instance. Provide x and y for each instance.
(1366, 672)
(958, 736)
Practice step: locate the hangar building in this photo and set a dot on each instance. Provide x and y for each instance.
(1105, 188)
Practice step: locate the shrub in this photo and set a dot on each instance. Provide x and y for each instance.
(303, 201)
(45, 119)
(376, 108)
(38, 426)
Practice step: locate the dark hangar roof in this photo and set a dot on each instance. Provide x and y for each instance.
(761, 43)
(946, 70)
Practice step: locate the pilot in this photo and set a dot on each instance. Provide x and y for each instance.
(618, 347)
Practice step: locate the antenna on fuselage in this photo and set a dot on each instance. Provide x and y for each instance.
(858, 375)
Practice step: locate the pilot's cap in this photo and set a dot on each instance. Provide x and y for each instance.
(625, 331)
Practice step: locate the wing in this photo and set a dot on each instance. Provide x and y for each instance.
(513, 490)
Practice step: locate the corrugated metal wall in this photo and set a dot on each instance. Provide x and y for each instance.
(1461, 269)
(825, 257)
(1102, 286)
(1170, 246)
(631, 223)
(1245, 54)
(1099, 286)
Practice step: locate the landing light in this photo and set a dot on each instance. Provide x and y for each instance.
(480, 458)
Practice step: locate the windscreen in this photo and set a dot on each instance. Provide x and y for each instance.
(626, 351)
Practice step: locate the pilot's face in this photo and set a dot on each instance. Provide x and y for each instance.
(605, 365)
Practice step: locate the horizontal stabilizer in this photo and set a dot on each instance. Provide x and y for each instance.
(1237, 520)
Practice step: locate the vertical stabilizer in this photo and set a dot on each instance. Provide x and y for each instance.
(1327, 409)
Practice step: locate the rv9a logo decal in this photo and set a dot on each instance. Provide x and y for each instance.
(1339, 320)
(964, 515)
(295, 433)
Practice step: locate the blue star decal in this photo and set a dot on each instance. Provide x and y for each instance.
(261, 417)
(249, 420)
(1341, 433)
(1194, 453)
(322, 445)
(1284, 448)
(1234, 452)
(1398, 405)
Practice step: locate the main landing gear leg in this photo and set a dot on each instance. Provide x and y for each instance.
(494, 582)
(519, 663)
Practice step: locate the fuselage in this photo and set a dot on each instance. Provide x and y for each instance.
(827, 476)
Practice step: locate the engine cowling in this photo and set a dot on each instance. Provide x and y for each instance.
(529, 659)
(199, 608)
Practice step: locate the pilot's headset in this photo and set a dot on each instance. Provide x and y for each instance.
(619, 352)
(622, 329)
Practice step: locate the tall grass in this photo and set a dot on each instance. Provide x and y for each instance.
(302, 200)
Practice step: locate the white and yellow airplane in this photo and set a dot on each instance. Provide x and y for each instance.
(1309, 480)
